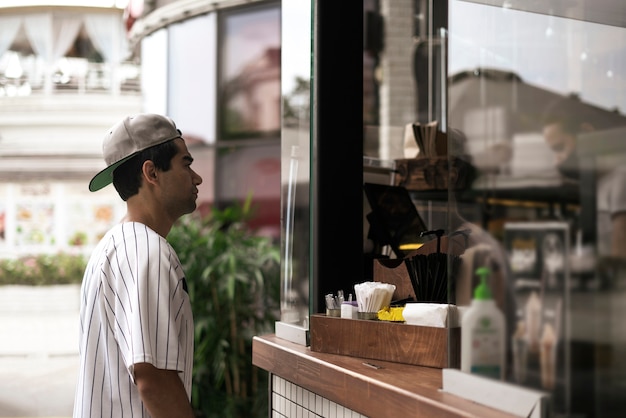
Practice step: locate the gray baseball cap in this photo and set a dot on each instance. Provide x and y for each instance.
(127, 138)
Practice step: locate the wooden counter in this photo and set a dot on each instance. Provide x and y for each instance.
(393, 390)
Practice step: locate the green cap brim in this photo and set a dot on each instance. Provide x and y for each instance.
(105, 177)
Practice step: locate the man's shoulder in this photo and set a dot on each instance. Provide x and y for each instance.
(135, 243)
(133, 231)
(126, 236)
(138, 238)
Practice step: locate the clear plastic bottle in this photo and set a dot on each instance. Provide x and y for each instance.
(483, 331)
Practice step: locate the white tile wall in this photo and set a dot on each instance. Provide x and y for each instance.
(292, 401)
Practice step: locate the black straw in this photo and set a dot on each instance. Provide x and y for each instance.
(429, 273)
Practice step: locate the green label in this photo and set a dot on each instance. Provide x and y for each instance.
(487, 371)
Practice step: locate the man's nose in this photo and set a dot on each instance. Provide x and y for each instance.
(198, 179)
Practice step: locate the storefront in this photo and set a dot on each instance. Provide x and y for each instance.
(512, 86)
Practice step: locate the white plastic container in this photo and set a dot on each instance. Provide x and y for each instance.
(483, 331)
(349, 310)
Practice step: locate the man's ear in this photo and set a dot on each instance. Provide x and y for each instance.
(149, 171)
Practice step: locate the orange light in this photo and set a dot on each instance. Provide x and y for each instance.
(411, 246)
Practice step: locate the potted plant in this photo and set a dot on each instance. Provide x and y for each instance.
(233, 278)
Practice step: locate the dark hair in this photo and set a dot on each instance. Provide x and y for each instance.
(127, 177)
(565, 112)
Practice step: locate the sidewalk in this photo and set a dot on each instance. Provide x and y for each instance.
(38, 351)
(37, 386)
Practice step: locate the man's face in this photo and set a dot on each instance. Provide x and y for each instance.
(180, 184)
(560, 142)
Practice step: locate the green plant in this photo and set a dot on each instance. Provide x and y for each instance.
(44, 269)
(233, 279)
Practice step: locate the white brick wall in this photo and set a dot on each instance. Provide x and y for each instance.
(292, 401)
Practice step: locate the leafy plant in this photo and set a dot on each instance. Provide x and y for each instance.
(233, 279)
(44, 269)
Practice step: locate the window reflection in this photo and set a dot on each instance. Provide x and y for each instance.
(540, 102)
(295, 157)
(250, 74)
(252, 170)
(248, 141)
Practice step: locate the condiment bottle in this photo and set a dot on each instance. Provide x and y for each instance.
(483, 331)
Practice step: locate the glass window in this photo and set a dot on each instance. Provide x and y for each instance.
(531, 105)
(154, 56)
(249, 71)
(538, 99)
(252, 170)
(295, 168)
(192, 72)
(248, 136)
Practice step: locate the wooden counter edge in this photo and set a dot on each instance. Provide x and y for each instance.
(394, 389)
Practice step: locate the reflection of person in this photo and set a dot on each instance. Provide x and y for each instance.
(136, 325)
(476, 246)
(561, 126)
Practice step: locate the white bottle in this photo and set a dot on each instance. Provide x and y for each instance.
(533, 321)
(483, 331)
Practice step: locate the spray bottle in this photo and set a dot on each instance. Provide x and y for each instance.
(483, 331)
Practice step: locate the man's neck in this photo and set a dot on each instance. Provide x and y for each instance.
(141, 213)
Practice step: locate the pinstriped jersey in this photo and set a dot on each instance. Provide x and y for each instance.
(134, 309)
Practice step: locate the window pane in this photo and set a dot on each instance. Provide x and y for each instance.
(191, 76)
(537, 98)
(250, 74)
(252, 170)
(295, 157)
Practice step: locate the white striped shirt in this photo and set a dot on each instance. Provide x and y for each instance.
(134, 309)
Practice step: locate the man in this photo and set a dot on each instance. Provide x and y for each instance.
(136, 325)
(561, 127)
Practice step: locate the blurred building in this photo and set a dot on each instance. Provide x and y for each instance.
(214, 67)
(65, 77)
(70, 69)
